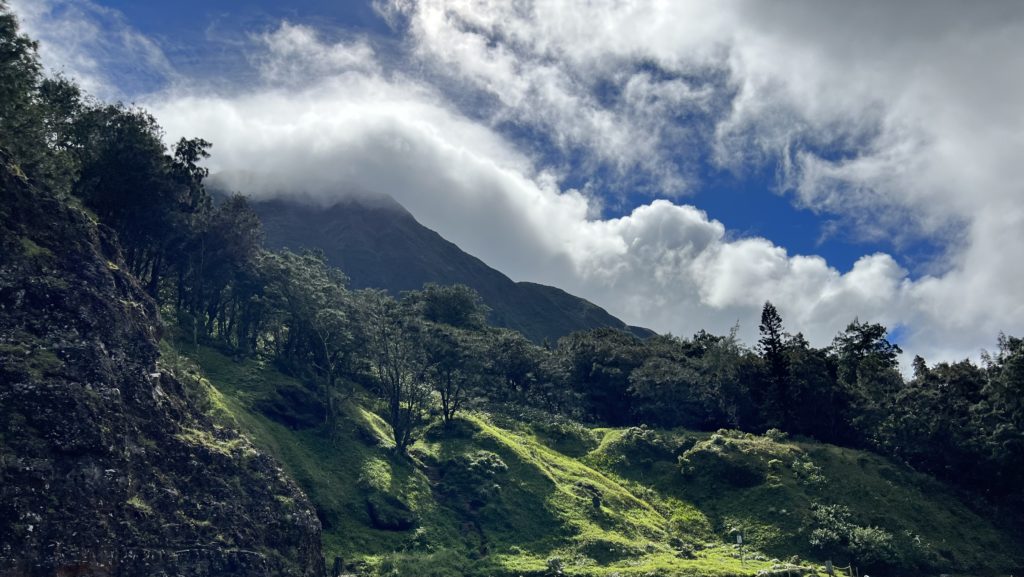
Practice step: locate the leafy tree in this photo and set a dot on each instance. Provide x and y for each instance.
(867, 371)
(862, 342)
(726, 369)
(38, 115)
(813, 399)
(598, 364)
(999, 419)
(148, 196)
(513, 361)
(217, 260)
(334, 335)
(397, 363)
(457, 305)
(1005, 386)
(930, 424)
(455, 367)
(20, 74)
(665, 390)
(299, 287)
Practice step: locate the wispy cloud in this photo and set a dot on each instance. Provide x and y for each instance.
(295, 55)
(96, 46)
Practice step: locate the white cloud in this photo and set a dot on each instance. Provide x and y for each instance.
(94, 45)
(664, 265)
(917, 104)
(296, 55)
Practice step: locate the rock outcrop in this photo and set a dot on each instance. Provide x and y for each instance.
(106, 467)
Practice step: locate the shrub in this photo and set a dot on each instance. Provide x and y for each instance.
(473, 478)
(873, 546)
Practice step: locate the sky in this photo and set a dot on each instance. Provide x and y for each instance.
(678, 163)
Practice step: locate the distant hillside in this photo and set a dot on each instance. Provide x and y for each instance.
(379, 244)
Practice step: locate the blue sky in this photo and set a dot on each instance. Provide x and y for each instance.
(208, 40)
(677, 164)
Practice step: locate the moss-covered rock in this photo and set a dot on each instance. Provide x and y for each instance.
(105, 467)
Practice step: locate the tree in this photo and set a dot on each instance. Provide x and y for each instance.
(513, 361)
(20, 74)
(38, 115)
(725, 368)
(598, 364)
(135, 187)
(454, 365)
(217, 260)
(456, 305)
(867, 372)
(775, 399)
(863, 341)
(814, 400)
(332, 328)
(397, 363)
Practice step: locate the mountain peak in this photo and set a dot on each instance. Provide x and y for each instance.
(380, 244)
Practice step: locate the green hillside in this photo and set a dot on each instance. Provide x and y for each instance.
(495, 495)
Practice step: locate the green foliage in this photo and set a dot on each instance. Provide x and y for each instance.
(454, 305)
(776, 396)
(599, 363)
(836, 535)
(36, 113)
(33, 250)
(476, 478)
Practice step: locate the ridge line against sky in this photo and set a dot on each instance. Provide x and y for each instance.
(580, 144)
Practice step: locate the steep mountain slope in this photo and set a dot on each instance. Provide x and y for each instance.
(107, 466)
(379, 244)
(532, 494)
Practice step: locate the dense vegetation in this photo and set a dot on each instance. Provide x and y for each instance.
(429, 355)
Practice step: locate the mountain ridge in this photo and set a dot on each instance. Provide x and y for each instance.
(378, 243)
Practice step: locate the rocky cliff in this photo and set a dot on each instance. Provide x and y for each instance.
(106, 467)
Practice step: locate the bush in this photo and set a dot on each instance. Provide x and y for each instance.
(473, 478)
(831, 526)
(643, 446)
(873, 546)
(718, 460)
(835, 534)
(806, 472)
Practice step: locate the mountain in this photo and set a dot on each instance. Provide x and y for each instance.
(108, 464)
(379, 244)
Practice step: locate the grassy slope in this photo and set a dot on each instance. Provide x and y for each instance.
(495, 496)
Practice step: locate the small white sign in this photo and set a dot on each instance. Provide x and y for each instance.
(739, 539)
